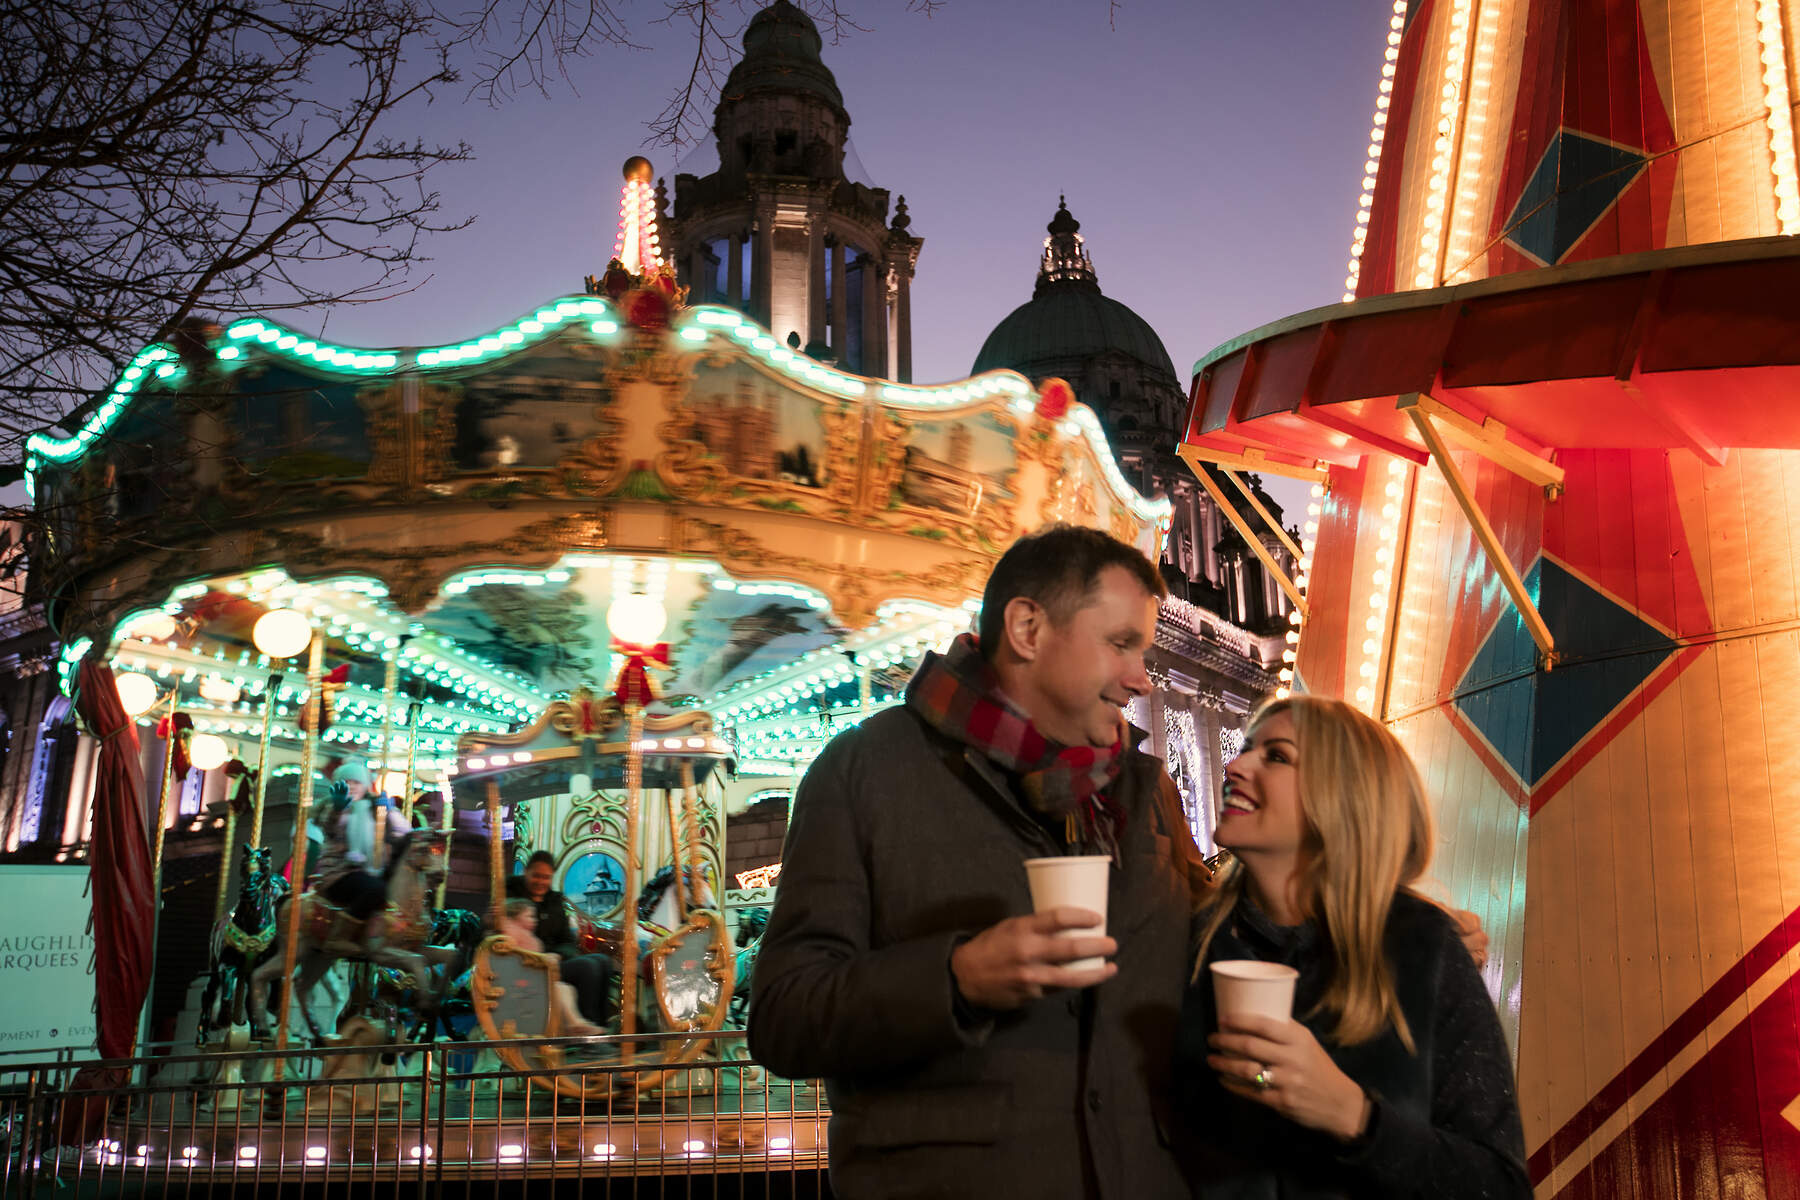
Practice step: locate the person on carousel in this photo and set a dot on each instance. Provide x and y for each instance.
(348, 818)
(589, 974)
(519, 925)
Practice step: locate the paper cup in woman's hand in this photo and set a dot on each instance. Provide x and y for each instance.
(1244, 985)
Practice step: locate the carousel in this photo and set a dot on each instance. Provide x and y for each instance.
(584, 585)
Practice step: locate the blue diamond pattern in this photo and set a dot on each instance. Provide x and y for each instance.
(1533, 718)
(1576, 181)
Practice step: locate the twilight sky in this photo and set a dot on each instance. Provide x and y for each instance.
(1212, 151)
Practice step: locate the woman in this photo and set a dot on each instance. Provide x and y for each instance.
(1393, 1079)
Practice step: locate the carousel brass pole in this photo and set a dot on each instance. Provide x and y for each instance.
(262, 758)
(162, 821)
(290, 938)
(379, 800)
(412, 758)
(676, 857)
(271, 694)
(449, 819)
(225, 861)
(634, 778)
(496, 880)
(690, 813)
(162, 799)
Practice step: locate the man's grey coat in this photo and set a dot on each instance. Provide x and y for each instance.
(901, 844)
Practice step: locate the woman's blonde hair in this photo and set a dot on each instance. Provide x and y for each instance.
(1367, 835)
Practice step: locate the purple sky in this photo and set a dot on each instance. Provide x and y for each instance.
(1211, 150)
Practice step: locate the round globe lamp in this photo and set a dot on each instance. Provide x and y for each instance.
(208, 750)
(137, 693)
(393, 784)
(281, 632)
(636, 620)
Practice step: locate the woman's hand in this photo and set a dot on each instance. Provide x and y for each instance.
(1303, 1084)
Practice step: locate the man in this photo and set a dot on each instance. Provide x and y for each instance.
(962, 1058)
(589, 974)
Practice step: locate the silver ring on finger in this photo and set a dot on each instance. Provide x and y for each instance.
(1264, 1079)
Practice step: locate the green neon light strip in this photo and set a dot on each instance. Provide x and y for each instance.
(696, 326)
(599, 316)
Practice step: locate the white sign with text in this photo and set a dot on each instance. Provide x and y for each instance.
(46, 959)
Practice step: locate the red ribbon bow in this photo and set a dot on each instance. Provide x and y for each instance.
(635, 685)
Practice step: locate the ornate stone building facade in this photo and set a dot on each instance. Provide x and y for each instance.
(778, 230)
(1119, 367)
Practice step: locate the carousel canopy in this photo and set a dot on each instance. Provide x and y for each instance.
(474, 512)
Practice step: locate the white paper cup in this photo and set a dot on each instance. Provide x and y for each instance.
(1244, 985)
(1072, 881)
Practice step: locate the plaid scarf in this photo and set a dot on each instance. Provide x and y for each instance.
(958, 695)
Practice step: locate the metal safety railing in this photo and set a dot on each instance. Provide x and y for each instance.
(445, 1117)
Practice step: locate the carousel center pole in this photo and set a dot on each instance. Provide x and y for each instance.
(634, 778)
(290, 937)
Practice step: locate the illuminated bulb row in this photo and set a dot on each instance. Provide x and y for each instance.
(1781, 119)
(1380, 585)
(1390, 65)
(1309, 541)
(1425, 273)
(637, 247)
(1464, 236)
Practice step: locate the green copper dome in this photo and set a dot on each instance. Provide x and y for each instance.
(1069, 324)
(781, 53)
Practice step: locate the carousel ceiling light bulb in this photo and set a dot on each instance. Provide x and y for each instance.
(282, 632)
(137, 693)
(208, 750)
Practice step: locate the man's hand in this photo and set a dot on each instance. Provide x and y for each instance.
(1474, 937)
(1008, 965)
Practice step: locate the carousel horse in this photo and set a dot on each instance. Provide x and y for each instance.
(395, 936)
(457, 929)
(241, 943)
(657, 909)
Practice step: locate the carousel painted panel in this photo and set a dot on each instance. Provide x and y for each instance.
(533, 413)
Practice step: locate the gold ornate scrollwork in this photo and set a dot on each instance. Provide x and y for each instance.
(413, 574)
(853, 591)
